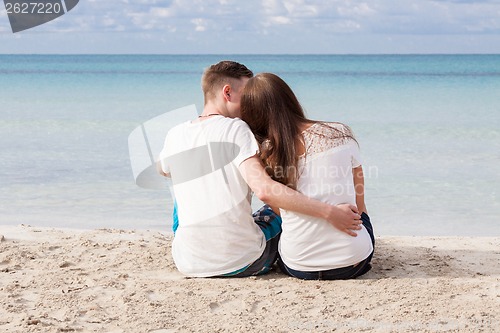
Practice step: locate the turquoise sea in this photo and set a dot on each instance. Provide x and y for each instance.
(428, 126)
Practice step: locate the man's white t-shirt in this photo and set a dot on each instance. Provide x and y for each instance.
(216, 233)
(325, 174)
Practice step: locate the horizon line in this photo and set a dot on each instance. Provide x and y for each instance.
(251, 54)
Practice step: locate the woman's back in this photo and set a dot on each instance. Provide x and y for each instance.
(325, 173)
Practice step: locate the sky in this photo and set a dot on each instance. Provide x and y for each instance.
(263, 27)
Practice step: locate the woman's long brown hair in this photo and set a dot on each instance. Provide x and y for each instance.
(274, 114)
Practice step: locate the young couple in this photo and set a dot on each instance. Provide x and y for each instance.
(253, 136)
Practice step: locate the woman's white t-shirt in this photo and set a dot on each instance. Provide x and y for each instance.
(325, 174)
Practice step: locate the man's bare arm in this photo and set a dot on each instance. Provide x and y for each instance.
(160, 170)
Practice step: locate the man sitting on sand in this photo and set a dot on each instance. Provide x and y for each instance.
(214, 167)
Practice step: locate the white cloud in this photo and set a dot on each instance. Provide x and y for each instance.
(200, 24)
(277, 24)
(300, 8)
(377, 16)
(279, 20)
(161, 12)
(272, 7)
(357, 10)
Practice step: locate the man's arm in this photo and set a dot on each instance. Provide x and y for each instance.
(343, 217)
(160, 170)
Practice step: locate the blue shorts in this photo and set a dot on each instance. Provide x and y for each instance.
(270, 224)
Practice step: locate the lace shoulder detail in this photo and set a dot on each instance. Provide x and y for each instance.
(321, 137)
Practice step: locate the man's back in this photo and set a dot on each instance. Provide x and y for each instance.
(216, 233)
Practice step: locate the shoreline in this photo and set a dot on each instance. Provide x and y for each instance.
(110, 280)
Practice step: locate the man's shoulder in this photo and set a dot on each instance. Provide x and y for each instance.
(229, 120)
(229, 125)
(222, 127)
(236, 123)
(179, 128)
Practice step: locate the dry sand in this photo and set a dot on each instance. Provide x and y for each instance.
(54, 280)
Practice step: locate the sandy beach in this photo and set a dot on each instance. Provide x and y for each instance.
(63, 280)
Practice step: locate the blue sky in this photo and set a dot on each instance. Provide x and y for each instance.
(264, 26)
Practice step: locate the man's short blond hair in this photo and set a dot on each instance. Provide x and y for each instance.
(220, 74)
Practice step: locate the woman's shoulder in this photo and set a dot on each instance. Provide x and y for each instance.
(323, 136)
(330, 129)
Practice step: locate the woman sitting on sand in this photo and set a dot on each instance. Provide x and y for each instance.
(321, 160)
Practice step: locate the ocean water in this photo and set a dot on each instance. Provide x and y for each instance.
(428, 127)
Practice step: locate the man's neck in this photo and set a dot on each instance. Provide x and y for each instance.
(211, 109)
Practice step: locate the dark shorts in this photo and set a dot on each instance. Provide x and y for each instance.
(343, 273)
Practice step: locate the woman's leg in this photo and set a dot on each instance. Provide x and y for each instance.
(343, 273)
(332, 274)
